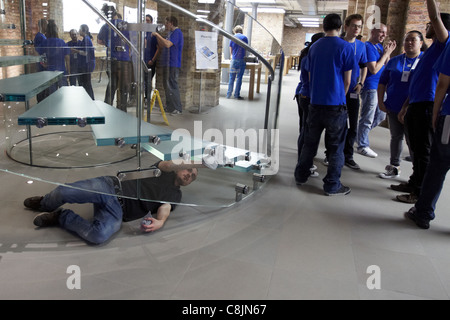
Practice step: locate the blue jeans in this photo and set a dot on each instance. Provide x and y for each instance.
(371, 116)
(237, 69)
(332, 119)
(107, 209)
(435, 175)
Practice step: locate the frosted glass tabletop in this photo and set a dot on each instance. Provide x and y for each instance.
(124, 126)
(26, 86)
(67, 106)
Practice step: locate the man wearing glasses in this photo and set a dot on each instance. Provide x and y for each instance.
(353, 26)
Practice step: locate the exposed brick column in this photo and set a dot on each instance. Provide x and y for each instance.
(190, 79)
(397, 15)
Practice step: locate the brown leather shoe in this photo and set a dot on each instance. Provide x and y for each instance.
(408, 198)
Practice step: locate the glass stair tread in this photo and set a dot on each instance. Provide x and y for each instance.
(18, 60)
(66, 106)
(26, 86)
(124, 126)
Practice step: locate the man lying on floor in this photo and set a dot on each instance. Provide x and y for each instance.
(114, 201)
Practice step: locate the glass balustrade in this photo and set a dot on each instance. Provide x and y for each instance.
(82, 107)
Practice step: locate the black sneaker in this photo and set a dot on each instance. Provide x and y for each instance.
(33, 203)
(402, 187)
(343, 190)
(421, 223)
(47, 219)
(352, 164)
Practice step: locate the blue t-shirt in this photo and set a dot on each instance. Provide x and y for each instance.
(38, 39)
(55, 50)
(237, 51)
(114, 42)
(391, 77)
(327, 61)
(303, 85)
(171, 57)
(86, 63)
(150, 48)
(443, 66)
(374, 53)
(360, 54)
(424, 79)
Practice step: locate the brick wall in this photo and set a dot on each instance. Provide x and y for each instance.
(262, 41)
(294, 39)
(12, 16)
(192, 92)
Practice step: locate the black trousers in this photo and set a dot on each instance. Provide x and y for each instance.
(420, 132)
(353, 116)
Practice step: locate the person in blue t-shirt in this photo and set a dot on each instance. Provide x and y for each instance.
(151, 54)
(329, 63)
(237, 65)
(416, 112)
(353, 26)
(302, 96)
(424, 209)
(57, 55)
(394, 84)
(39, 37)
(73, 44)
(86, 60)
(371, 116)
(170, 62)
(121, 67)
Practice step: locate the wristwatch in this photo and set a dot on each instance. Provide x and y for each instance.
(362, 85)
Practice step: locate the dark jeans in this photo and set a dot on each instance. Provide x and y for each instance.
(171, 88)
(435, 175)
(120, 79)
(419, 130)
(303, 105)
(353, 116)
(332, 119)
(84, 80)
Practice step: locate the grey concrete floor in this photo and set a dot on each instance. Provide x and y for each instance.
(282, 242)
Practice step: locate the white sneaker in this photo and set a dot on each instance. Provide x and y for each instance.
(391, 172)
(366, 151)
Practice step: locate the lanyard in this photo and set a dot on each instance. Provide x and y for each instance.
(414, 64)
(380, 51)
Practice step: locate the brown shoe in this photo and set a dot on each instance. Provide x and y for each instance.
(407, 198)
(402, 187)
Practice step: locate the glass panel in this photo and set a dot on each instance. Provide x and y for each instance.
(108, 113)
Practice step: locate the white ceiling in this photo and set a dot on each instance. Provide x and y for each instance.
(301, 8)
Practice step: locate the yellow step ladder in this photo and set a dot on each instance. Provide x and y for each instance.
(155, 95)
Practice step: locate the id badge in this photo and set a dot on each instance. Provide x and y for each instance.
(353, 96)
(405, 76)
